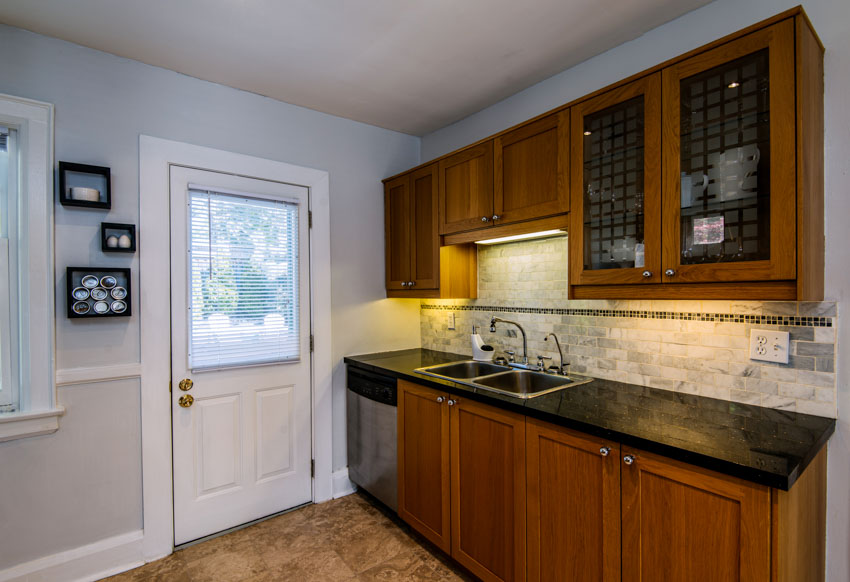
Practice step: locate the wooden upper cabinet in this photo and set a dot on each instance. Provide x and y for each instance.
(397, 228)
(423, 462)
(532, 170)
(681, 523)
(425, 242)
(573, 521)
(412, 243)
(615, 224)
(488, 490)
(466, 189)
(730, 190)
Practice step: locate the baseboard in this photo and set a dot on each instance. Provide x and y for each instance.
(84, 564)
(342, 486)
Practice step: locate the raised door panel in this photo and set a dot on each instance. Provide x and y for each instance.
(573, 523)
(397, 230)
(681, 523)
(466, 189)
(729, 161)
(423, 462)
(616, 186)
(488, 490)
(425, 251)
(531, 170)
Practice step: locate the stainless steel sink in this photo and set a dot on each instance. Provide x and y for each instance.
(502, 379)
(524, 383)
(463, 370)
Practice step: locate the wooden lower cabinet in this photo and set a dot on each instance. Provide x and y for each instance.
(514, 498)
(488, 490)
(476, 510)
(423, 462)
(682, 523)
(573, 522)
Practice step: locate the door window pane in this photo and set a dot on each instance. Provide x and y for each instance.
(725, 138)
(243, 260)
(613, 186)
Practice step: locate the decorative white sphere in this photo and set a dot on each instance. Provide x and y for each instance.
(112, 241)
(124, 242)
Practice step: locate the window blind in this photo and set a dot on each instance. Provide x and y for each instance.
(243, 262)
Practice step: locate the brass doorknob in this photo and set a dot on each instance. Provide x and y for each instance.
(186, 400)
(186, 384)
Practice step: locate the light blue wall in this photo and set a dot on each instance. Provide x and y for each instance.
(831, 19)
(103, 103)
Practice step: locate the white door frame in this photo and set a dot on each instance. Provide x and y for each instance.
(155, 157)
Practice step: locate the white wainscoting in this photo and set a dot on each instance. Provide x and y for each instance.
(71, 376)
(84, 564)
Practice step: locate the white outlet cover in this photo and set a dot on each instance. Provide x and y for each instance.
(769, 346)
(450, 321)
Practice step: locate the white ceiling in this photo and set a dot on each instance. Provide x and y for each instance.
(409, 65)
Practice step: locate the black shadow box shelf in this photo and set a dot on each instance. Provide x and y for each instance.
(110, 230)
(95, 292)
(87, 179)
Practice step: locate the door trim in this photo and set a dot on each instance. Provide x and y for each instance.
(155, 157)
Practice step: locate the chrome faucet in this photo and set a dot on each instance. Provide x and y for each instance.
(524, 362)
(562, 368)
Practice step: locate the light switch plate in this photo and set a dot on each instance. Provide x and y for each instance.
(450, 321)
(769, 346)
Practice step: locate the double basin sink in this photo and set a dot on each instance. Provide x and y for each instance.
(515, 382)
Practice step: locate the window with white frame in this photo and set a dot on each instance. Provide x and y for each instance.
(9, 341)
(27, 381)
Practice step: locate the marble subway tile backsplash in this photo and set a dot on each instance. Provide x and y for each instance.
(697, 347)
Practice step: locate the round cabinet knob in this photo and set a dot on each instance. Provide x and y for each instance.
(669, 272)
(185, 401)
(604, 451)
(629, 459)
(451, 402)
(404, 283)
(411, 283)
(440, 399)
(185, 384)
(484, 219)
(496, 217)
(647, 274)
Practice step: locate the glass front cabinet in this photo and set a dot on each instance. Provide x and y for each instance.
(616, 186)
(696, 174)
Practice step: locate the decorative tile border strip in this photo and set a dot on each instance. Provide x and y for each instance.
(787, 320)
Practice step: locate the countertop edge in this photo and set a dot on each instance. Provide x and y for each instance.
(774, 480)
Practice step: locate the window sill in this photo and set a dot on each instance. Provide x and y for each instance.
(19, 425)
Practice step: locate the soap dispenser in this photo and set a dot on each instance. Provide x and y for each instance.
(481, 352)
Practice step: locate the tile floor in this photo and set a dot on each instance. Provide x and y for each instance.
(348, 539)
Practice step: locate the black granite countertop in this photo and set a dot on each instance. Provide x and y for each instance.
(763, 445)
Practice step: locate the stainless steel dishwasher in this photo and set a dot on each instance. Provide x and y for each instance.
(371, 429)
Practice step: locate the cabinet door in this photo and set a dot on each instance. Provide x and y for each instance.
(488, 490)
(425, 240)
(397, 230)
(532, 170)
(466, 189)
(573, 506)
(729, 161)
(616, 186)
(423, 462)
(681, 523)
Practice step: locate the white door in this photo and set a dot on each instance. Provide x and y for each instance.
(240, 365)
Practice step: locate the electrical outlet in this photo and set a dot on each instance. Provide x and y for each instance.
(450, 321)
(769, 346)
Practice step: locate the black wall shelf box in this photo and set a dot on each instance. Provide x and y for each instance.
(108, 230)
(87, 179)
(97, 292)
